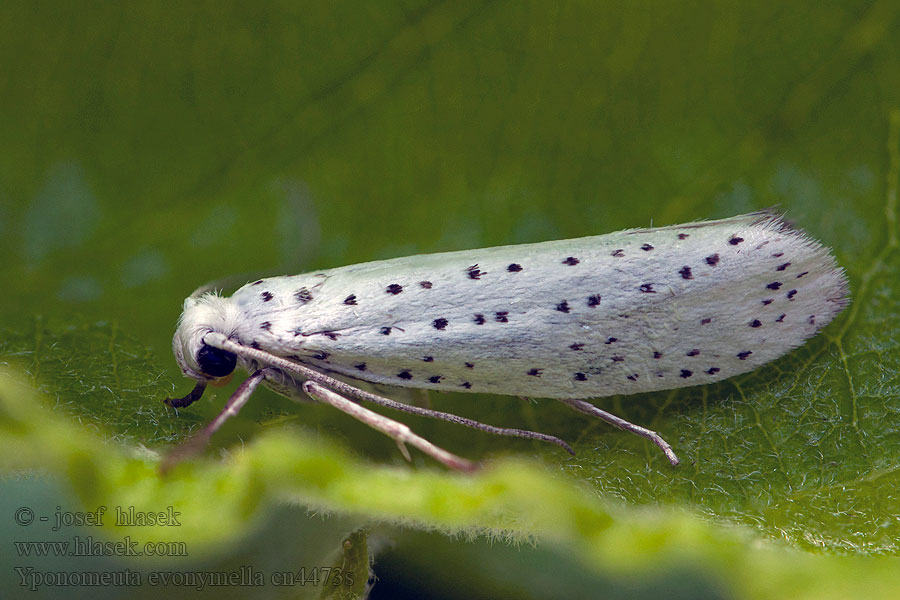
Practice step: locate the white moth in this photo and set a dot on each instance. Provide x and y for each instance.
(627, 312)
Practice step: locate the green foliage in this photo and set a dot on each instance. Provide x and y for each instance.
(150, 149)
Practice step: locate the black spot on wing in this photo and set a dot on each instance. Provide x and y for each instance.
(474, 272)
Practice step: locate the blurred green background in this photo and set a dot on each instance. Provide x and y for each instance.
(148, 148)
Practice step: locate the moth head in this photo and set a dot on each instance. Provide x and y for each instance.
(203, 314)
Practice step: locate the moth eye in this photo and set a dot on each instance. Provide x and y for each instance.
(216, 362)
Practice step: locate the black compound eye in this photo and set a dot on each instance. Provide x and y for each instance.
(216, 362)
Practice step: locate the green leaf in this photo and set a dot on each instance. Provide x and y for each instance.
(176, 145)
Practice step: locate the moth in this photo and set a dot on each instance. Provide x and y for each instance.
(635, 311)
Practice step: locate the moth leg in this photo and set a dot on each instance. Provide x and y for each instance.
(194, 395)
(220, 341)
(198, 441)
(589, 409)
(354, 392)
(396, 431)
